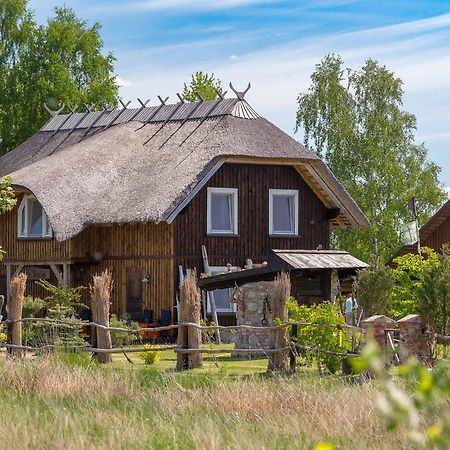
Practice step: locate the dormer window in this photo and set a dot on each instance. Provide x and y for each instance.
(222, 211)
(283, 212)
(32, 221)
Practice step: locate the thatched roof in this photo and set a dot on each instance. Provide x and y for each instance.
(100, 171)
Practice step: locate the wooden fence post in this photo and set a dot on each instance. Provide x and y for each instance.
(188, 336)
(279, 361)
(293, 351)
(100, 303)
(15, 303)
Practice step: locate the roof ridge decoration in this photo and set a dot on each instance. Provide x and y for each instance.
(181, 111)
(242, 109)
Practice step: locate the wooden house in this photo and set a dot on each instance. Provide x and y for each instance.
(139, 191)
(433, 234)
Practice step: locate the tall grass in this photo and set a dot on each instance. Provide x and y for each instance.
(50, 402)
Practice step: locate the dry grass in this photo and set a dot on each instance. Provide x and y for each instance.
(46, 377)
(50, 404)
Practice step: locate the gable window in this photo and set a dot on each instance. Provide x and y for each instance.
(33, 222)
(222, 214)
(283, 212)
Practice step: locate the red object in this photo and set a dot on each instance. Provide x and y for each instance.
(149, 334)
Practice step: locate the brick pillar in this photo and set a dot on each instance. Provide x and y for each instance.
(413, 336)
(375, 326)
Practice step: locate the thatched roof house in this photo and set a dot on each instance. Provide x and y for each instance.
(157, 165)
(84, 172)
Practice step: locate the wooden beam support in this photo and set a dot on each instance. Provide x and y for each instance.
(8, 283)
(58, 274)
(66, 275)
(37, 262)
(17, 271)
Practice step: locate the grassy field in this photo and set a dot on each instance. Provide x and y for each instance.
(68, 402)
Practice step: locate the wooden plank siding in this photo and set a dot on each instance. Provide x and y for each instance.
(439, 237)
(26, 249)
(253, 240)
(158, 249)
(145, 246)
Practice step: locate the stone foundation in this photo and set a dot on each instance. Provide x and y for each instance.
(250, 299)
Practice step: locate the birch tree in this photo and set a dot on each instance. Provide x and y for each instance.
(354, 120)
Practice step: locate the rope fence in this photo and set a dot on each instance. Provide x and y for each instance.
(280, 350)
(176, 348)
(190, 324)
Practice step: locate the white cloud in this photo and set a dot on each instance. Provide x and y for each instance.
(418, 52)
(198, 5)
(122, 82)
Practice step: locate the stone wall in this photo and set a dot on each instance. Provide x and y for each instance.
(253, 305)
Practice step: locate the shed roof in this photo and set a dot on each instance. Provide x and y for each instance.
(146, 164)
(314, 259)
(308, 260)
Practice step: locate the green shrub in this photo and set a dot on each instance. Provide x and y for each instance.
(75, 357)
(32, 306)
(62, 300)
(122, 338)
(150, 356)
(373, 289)
(63, 335)
(3, 335)
(405, 295)
(331, 339)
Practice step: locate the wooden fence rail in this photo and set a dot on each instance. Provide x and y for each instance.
(189, 324)
(178, 349)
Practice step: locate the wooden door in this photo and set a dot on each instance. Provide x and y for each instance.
(134, 293)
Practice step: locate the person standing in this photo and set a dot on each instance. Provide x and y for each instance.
(349, 306)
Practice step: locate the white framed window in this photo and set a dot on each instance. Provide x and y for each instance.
(222, 297)
(283, 212)
(222, 211)
(32, 220)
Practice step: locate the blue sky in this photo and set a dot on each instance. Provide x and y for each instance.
(275, 45)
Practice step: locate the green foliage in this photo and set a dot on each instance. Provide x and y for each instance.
(61, 61)
(150, 356)
(62, 300)
(75, 358)
(373, 289)
(434, 293)
(60, 335)
(405, 295)
(122, 338)
(208, 334)
(354, 119)
(429, 393)
(32, 306)
(7, 197)
(330, 339)
(203, 84)
(3, 335)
